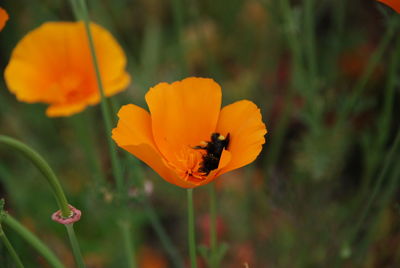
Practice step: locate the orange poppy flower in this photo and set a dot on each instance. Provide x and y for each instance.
(53, 65)
(3, 18)
(174, 138)
(395, 4)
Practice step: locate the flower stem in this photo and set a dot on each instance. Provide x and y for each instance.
(191, 230)
(213, 226)
(31, 239)
(310, 41)
(387, 162)
(82, 125)
(178, 25)
(75, 246)
(44, 168)
(296, 80)
(128, 246)
(164, 238)
(116, 166)
(369, 69)
(55, 185)
(83, 14)
(10, 249)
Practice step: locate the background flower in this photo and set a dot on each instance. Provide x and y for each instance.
(183, 115)
(395, 4)
(3, 18)
(52, 64)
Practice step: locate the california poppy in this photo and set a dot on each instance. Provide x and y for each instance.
(3, 18)
(184, 115)
(395, 4)
(53, 65)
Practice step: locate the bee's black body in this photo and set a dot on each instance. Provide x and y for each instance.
(213, 154)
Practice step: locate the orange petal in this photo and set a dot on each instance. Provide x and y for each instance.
(55, 110)
(133, 133)
(53, 64)
(242, 120)
(3, 18)
(395, 4)
(183, 113)
(112, 61)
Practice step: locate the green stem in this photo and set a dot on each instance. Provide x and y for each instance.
(311, 56)
(372, 63)
(154, 219)
(83, 127)
(293, 43)
(191, 230)
(297, 77)
(128, 246)
(31, 239)
(178, 24)
(44, 168)
(75, 246)
(310, 41)
(116, 166)
(76, 9)
(10, 249)
(377, 187)
(52, 179)
(339, 15)
(213, 226)
(374, 150)
(165, 239)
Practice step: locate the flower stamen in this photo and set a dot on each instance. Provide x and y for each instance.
(187, 165)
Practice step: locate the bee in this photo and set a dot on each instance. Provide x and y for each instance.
(213, 150)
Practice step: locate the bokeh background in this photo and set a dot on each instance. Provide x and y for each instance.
(324, 190)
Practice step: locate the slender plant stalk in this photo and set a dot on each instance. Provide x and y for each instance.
(339, 15)
(387, 161)
(166, 242)
(372, 63)
(75, 246)
(162, 234)
(297, 71)
(106, 111)
(116, 166)
(178, 24)
(213, 226)
(128, 245)
(310, 41)
(10, 249)
(82, 14)
(293, 42)
(54, 183)
(311, 56)
(44, 168)
(76, 9)
(34, 241)
(82, 124)
(380, 142)
(387, 194)
(191, 230)
(375, 150)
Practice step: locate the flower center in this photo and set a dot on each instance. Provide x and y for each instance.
(70, 82)
(187, 164)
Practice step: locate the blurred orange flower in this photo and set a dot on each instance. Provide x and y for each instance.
(52, 64)
(3, 18)
(395, 4)
(186, 138)
(151, 258)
